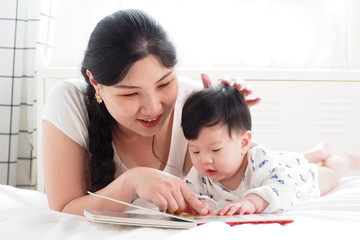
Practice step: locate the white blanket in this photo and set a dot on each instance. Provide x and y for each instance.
(24, 214)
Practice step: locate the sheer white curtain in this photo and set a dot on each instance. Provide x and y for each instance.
(261, 33)
(25, 27)
(230, 33)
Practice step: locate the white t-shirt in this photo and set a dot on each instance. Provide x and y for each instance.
(280, 178)
(65, 108)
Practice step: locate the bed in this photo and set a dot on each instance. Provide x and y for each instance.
(24, 214)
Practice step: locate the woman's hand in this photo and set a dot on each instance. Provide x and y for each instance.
(239, 84)
(168, 192)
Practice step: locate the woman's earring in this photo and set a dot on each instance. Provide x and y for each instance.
(98, 98)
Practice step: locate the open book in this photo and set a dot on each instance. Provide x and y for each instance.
(151, 218)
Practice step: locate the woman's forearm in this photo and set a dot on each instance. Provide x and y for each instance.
(119, 189)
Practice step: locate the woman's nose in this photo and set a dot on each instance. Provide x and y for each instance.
(151, 106)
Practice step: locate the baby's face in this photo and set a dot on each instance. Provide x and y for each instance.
(217, 155)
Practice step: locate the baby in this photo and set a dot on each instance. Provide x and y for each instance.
(242, 176)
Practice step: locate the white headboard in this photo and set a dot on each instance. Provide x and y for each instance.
(299, 107)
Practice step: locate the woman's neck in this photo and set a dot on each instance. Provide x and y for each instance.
(137, 150)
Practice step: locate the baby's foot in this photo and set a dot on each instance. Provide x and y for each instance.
(318, 154)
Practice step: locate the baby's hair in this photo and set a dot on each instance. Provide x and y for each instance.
(222, 105)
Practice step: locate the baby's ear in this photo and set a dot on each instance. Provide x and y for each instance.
(246, 140)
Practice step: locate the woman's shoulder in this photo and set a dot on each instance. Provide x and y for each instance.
(69, 93)
(66, 109)
(70, 86)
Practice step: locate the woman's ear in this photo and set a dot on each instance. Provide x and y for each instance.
(246, 141)
(91, 79)
(96, 86)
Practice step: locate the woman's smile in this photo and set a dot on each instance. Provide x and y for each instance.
(150, 122)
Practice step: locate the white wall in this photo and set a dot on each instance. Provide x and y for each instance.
(219, 51)
(74, 23)
(230, 33)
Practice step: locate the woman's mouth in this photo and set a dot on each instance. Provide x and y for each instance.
(150, 122)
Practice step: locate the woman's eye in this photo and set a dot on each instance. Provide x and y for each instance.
(216, 150)
(129, 95)
(164, 85)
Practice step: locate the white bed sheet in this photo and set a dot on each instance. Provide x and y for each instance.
(24, 214)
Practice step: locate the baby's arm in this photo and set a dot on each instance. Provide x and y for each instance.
(252, 203)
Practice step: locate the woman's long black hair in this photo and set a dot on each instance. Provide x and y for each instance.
(117, 42)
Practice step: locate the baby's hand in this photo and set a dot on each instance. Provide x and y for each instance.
(241, 206)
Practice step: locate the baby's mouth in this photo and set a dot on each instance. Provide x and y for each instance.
(211, 172)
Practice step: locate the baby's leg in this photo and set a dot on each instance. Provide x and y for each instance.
(318, 154)
(334, 168)
(353, 159)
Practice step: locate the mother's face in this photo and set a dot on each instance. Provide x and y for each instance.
(143, 101)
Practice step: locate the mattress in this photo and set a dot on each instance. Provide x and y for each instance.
(24, 214)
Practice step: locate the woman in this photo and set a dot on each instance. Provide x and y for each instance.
(118, 133)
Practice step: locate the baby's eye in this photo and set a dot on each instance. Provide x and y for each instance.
(216, 150)
(196, 152)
